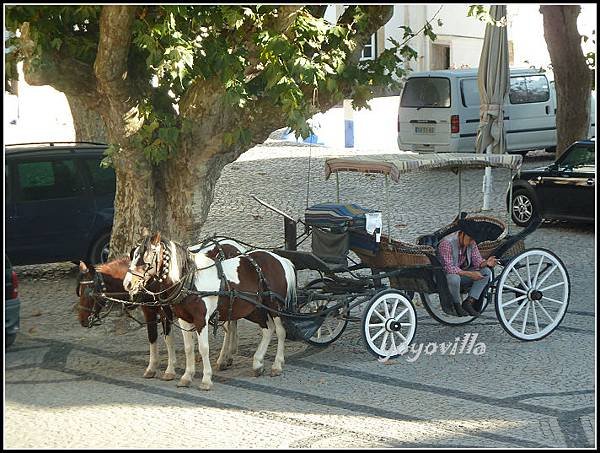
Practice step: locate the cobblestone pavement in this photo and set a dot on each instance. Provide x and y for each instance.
(71, 387)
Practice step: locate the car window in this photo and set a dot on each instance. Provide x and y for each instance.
(470, 92)
(45, 180)
(103, 179)
(578, 156)
(426, 92)
(528, 89)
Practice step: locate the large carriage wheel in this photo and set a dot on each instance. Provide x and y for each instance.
(389, 323)
(334, 323)
(433, 305)
(533, 294)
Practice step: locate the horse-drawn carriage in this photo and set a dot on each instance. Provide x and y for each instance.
(358, 265)
(530, 291)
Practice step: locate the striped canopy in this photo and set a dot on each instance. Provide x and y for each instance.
(394, 165)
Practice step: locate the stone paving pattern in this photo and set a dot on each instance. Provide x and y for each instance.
(71, 387)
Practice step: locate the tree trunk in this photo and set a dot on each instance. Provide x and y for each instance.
(572, 76)
(89, 125)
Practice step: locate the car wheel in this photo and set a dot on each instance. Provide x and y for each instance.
(100, 249)
(523, 208)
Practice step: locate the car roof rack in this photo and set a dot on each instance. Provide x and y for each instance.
(57, 143)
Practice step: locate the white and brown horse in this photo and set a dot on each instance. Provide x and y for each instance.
(108, 278)
(259, 272)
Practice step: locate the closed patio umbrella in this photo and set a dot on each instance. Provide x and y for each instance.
(493, 82)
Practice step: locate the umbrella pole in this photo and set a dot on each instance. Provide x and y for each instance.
(337, 186)
(459, 191)
(387, 204)
(487, 183)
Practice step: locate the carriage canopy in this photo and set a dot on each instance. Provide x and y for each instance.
(394, 165)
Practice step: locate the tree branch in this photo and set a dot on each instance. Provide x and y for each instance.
(113, 48)
(63, 73)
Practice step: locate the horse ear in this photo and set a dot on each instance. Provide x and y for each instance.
(156, 238)
(145, 232)
(131, 253)
(82, 267)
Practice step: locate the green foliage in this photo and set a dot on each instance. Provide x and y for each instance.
(242, 48)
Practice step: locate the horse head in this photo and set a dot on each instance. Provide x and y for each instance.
(146, 264)
(88, 283)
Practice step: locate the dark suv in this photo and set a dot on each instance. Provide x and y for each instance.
(563, 190)
(59, 202)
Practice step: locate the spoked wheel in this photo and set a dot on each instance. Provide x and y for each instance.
(334, 323)
(533, 294)
(433, 306)
(389, 323)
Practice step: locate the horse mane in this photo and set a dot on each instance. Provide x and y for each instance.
(119, 262)
(182, 257)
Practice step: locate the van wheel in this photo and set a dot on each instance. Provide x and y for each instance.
(100, 249)
(523, 208)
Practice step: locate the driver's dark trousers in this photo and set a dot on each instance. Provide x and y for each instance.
(455, 281)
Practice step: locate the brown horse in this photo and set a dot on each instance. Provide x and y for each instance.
(259, 272)
(108, 278)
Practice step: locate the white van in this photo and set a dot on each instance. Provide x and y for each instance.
(439, 112)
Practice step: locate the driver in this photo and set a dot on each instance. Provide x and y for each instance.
(463, 263)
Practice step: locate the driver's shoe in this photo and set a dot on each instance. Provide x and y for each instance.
(467, 306)
(460, 311)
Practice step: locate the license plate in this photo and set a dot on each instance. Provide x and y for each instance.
(424, 130)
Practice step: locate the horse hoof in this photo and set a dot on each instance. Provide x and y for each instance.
(275, 372)
(205, 386)
(259, 371)
(222, 366)
(229, 362)
(149, 374)
(184, 383)
(168, 376)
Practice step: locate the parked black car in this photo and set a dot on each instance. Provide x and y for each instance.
(563, 190)
(12, 304)
(59, 202)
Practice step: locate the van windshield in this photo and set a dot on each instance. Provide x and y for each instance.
(426, 92)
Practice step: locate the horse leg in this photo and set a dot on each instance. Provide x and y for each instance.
(169, 373)
(277, 367)
(259, 355)
(202, 335)
(229, 347)
(223, 360)
(233, 343)
(152, 330)
(188, 346)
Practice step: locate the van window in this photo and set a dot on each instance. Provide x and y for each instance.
(470, 92)
(528, 89)
(45, 180)
(426, 92)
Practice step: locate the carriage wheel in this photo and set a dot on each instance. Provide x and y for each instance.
(434, 308)
(389, 323)
(334, 323)
(533, 294)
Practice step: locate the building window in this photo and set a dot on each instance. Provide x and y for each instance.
(440, 56)
(369, 52)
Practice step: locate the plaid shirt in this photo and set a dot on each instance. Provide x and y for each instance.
(446, 254)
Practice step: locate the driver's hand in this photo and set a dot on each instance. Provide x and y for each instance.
(475, 275)
(491, 261)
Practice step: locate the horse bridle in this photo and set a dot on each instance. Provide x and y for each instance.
(94, 317)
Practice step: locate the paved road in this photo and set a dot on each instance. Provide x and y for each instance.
(70, 387)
